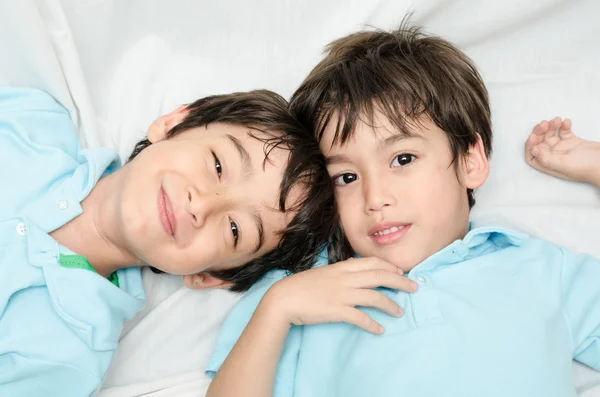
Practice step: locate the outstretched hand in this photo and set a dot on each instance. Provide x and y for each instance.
(554, 149)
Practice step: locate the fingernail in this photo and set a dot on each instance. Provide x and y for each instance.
(535, 151)
(380, 330)
(414, 285)
(400, 312)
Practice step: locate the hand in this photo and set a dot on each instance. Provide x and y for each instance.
(331, 293)
(554, 149)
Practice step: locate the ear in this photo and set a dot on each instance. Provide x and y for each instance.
(159, 128)
(203, 280)
(476, 166)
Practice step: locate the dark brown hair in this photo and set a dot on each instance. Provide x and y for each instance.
(314, 221)
(406, 75)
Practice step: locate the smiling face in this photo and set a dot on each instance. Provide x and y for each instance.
(401, 198)
(204, 199)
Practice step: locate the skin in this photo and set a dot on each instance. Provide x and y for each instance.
(386, 181)
(554, 149)
(213, 192)
(411, 181)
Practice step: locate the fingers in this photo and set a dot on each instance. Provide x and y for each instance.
(370, 263)
(537, 136)
(361, 320)
(371, 298)
(543, 138)
(541, 128)
(547, 161)
(565, 129)
(383, 278)
(554, 125)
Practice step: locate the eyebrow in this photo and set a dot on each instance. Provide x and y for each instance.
(337, 159)
(244, 155)
(261, 230)
(383, 144)
(397, 138)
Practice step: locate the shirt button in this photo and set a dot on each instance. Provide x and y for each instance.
(62, 205)
(421, 279)
(21, 229)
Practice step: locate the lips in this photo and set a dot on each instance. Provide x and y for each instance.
(388, 233)
(165, 213)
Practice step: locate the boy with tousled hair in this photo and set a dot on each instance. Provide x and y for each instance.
(221, 191)
(404, 122)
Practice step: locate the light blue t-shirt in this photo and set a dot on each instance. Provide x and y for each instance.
(59, 327)
(496, 314)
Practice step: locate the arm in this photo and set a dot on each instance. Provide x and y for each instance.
(255, 355)
(326, 294)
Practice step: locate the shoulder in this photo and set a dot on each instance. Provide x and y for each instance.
(33, 118)
(20, 99)
(38, 145)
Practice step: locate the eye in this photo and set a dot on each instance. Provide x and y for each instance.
(234, 231)
(402, 160)
(218, 165)
(345, 179)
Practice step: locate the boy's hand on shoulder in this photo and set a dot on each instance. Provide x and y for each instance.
(331, 293)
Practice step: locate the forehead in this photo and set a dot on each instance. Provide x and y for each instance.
(241, 137)
(380, 131)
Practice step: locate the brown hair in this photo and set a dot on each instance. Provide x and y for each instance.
(406, 75)
(312, 225)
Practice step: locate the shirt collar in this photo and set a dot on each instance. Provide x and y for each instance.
(499, 235)
(477, 241)
(75, 291)
(61, 203)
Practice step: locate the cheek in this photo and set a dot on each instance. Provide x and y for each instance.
(351, 214)
(443, 199)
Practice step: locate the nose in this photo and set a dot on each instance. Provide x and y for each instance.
(202, 205)
(377, 193)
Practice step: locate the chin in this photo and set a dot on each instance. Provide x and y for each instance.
(399, 257)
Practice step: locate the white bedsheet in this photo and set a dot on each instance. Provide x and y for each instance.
(116, 65)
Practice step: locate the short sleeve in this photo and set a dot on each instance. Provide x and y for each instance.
(580, 284)
(236, 322)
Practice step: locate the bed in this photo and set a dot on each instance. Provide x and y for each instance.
(117, 65)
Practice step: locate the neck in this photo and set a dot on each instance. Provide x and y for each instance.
(96, 233)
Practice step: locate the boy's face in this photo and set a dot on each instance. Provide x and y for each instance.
(401, 198)
(204, 199)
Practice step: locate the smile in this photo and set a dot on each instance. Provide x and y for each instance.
(385, 234)
(165, 213)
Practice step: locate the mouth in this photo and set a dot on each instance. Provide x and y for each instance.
(388, 233)
(165, 213)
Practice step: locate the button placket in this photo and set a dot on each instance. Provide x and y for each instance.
(21, 229)
(425, 303)
(62, 204)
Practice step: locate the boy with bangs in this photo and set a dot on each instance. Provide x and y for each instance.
(221, 191)
(454, 309)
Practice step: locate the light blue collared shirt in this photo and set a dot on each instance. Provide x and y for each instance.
(496, 314)
(59, 327)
